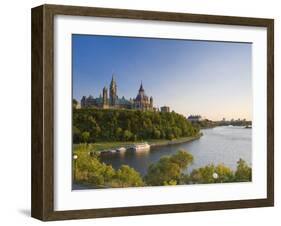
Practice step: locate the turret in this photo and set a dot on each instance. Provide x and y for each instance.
(151, 102)
(104, 96)
(83, 102)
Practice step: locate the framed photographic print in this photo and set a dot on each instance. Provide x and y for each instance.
(141, 112)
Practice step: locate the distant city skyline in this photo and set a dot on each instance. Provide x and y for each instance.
(207, 78)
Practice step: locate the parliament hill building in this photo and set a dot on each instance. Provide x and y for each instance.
(109, 99)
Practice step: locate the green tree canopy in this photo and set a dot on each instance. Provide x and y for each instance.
(128, 177)
(212, 174)
(182, 158)
(85, 136)
(74, 103)
(221, 174)
(168, 169)
(243, 171)
(129, 125)
(89, 169)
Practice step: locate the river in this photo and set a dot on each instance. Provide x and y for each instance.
(225, 144)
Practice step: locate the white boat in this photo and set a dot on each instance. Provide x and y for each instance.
(141, 147)
(121, 150)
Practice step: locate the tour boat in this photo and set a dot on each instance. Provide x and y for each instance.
(121, 150)
(141, 147)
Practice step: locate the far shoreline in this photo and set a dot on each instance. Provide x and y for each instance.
(176, 141)
(108, 146)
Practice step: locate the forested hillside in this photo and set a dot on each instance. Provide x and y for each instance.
(95, 125)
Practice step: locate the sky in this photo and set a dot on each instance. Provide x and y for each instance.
(212, 79)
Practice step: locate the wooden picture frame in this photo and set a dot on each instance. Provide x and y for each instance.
(42, 203)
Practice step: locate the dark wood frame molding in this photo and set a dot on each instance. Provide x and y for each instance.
(42, 203)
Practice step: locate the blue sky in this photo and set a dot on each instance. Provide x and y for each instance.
(213, 79)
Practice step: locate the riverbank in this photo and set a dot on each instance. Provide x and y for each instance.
(107, 146)
(175, 141)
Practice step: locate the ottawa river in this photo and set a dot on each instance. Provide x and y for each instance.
(225, 144)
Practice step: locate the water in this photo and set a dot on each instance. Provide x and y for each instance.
(224, 144)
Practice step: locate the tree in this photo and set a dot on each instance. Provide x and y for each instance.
(243, 171)
(92, 171)
(127, 177)
(176, 131)
(99, 174)
(225, 174)
(85, 136)
(211, 174)
(119, 133)
(74, 103)
(127, 135)
(203, 175)
(162, 172)
(182, 158)
(76, 134)
(156, 133)
(168, 169)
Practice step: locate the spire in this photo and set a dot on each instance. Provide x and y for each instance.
(113, 91)
(112, 83)
(141, 88)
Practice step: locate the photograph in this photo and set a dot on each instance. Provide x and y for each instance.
(160, 112)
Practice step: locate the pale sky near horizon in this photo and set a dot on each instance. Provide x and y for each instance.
(212, 79)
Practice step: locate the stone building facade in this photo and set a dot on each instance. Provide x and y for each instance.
(165, 109)
(112, 101)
